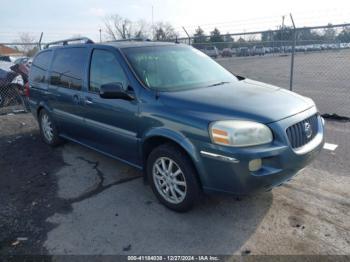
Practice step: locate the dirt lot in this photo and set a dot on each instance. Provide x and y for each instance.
(71, 200)
(323, 76)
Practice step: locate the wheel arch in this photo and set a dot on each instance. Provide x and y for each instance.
(42, 106)
(159, 136)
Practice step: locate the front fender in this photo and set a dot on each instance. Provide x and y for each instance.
(179, 139)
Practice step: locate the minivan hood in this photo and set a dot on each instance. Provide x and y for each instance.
(246, 99)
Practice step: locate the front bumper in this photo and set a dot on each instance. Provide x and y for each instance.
(225, 169)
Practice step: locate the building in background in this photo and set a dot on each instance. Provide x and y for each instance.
(8, 51)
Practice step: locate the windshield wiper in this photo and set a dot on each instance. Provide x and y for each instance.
(219, 83)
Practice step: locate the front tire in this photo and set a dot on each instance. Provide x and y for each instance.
(48, 129)
(173, 178)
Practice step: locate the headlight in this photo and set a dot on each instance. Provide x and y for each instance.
(238, 133)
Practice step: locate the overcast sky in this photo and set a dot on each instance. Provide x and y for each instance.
(64, 18)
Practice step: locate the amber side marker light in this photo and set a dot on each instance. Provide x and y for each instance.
(220, 136)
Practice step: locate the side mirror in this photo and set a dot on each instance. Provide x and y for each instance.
(114, 91)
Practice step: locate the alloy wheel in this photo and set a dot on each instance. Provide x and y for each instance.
(46, 126)
(169, 180)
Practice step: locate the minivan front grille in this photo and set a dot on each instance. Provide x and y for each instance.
(302, 132)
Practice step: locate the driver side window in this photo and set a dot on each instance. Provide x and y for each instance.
(104, 69)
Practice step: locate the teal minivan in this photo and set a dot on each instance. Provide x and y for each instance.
(173, 112)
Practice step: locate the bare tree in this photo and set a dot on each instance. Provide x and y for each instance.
(164, 32)
(141, 29)
(251, 38)
(28, 44)
(118, 27)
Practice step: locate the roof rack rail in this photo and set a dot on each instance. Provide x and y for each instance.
(66, 41)
(130, 39)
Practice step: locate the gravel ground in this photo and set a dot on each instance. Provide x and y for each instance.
(71, 200)
(28, 188)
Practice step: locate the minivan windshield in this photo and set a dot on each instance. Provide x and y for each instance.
(174, 68)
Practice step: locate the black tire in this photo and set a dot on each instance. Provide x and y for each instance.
(56, 140)
(183, 161)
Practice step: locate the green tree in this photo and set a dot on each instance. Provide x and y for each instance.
(217, 39)
(329, 33)
(267, 36)
(344, 35)
(228, 38)
(284, 36)
(308, 36)
(199, 38)
(215, 36)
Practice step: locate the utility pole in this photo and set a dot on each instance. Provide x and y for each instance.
(152, 24)
(293, 53)
(40, 39)
(189, 38)
(100, 30)
(282, 28)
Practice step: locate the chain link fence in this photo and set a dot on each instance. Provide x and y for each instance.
(320, 69)
(312, 61)
(14, 68)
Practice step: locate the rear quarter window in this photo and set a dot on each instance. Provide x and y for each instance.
(40, 66)
(68, 67)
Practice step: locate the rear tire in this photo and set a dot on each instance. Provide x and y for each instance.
(173, 177)
(48, 129)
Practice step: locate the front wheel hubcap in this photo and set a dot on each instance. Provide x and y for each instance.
(169, 180)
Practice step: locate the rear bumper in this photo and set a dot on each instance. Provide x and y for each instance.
(224, 169)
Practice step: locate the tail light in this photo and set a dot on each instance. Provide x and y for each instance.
(26, 89)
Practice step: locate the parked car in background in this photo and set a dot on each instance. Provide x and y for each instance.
(258, 50)
(288, 49)
(268, 50)
(242, 51)
(276, 49)
(12, 80)
(234, 51)
(300, 48)
(170, 110)
(22, 60)
(211, 51)
(313, 47)
(29, 62)
(226, 52)
(5, 58)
